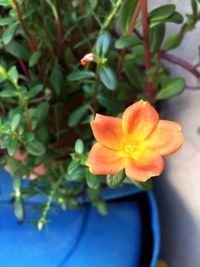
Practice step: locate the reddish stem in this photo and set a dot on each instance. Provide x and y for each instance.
(24, 68)
(147, 50)
(181, 62)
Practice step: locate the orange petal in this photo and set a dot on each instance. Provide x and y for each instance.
(166, 138)
(148, 164)
(139, 120)
(107, 131)
(102, 160)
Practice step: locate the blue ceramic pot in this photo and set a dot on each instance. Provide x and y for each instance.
(127, 237)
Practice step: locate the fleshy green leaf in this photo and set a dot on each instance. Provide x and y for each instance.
(103, 45)
(15, 122)
(80, 75)
(9, 33)
(19, 208)
(126, 13)
(79, 146)
(35, 148)
(77, 115)
(174, 87)
(127, 41)
(173, 41)
(34, 58)
(115, 180)
(157, 36)
(107, 77)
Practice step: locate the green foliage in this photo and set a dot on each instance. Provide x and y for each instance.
(48, 99)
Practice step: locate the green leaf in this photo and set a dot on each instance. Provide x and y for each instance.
(93, 181)
(101, 206)
(173, 41)
(127, 41)
(157, 37)
(80, 75)
(56, 79)
(12, 146)
(176, 17)
(34, 91)
(35, 148)
(142, 185)
(19, 208)
(79, 146)
(174, 87)
(15, 122)
(115, 180)
(103, 45)
(13, 74)
(34, 58)
(6, 3)
(5, 21)
(194, 6)
(18, 50)
(17, 181)
(8, 93)
(9, 33)
(107, 77)
(135, 76)
(161, 12)
(73, 165)
(77, 115)
(126, 13)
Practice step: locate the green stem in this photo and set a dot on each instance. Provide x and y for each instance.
(111, 16)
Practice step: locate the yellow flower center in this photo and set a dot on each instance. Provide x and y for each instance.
(131, 148)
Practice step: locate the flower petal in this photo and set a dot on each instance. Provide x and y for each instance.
(166, 138)
(102, 160)
(139, 120)
(107, 131)
(148, 164)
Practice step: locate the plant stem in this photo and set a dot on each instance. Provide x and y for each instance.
(147, 50)
(59, 29)
(181, 62)
(28, 119)
(28, 36)
(111, 16)
(130, 30)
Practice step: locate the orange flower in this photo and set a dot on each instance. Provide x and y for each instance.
(137, 142)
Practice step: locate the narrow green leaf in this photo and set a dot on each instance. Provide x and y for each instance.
(13, 74)
(17, 181)
(173, 41)
(157, 36)
(77, 115)
(34, 58)
(19, 208)
(56, 79)
(80, 75)
(34, 91)
(161, 12)
(127, 41)
(115, 180)
(73, 165)
(126, 13)
(8, 93)
(9, 33)
(93, 181)
(107, 77)
(79, 146)
(12, 146)
(35, 148)
(103, 45)
(174, 87)
(15, 122)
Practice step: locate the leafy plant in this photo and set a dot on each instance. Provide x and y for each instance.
(47, 98)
